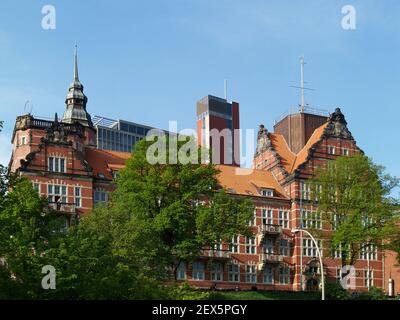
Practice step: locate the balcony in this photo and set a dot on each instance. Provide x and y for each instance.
(64, 208)
(272, 229)
(216, 254)
(269, 258)
(268, 229)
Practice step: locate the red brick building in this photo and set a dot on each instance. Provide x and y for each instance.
(62, 160)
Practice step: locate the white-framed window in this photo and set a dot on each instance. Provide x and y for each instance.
(335, 221)
(181, 271)
(234, 272)
(331, 150)
(267, 217)
(251, 273)
(269, 245)
(57, 193)
(250, 245)
(100, 196)
(23, 141)
(267, 192)
(338, 274)
(369, 278)
(235, 244)
(65, 225)
(252, 222)
(309, 249)
(268, 275)
(366, 221)
(305, 191)
(284, 275)
(36, 187)
(311, 219)
(284, 219)
(337, 253)
(216, 271)
(369, 252)
(345, 151)
(284, 247)
(56, 164)
(78, 197)
(198, 271)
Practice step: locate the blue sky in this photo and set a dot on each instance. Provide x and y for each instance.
(150, 61)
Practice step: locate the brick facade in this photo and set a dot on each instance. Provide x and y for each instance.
(63, 163)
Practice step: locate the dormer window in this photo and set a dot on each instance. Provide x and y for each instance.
(267, 192)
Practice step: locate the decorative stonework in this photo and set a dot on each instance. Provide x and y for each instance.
(263, 142)
(56, 133)
(337, 126)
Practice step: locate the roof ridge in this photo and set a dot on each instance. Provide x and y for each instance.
(308, 147)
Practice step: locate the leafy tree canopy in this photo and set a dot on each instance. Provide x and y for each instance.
(353, 197)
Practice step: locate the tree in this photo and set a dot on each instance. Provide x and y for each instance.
(353, 198)
(105, 257)
(27, 231)
(181, 205)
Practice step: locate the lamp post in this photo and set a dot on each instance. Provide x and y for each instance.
(320, 259)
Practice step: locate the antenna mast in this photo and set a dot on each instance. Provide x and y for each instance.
(302, 106)
(226, 89)
(302, 85)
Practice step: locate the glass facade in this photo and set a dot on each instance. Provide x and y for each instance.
(118, 135)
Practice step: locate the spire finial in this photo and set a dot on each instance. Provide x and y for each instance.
(76, 76)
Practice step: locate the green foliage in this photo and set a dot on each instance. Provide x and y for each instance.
(178, 204)
(106, 256)
(334, 291)
(353, 196)
(156, 218)
(185, 292)
(373, 294)
(27, 232)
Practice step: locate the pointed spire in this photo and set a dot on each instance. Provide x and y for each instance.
(76, 99)
(76, 75)
(56, 118)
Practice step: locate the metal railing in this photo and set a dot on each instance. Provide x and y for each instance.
(63, 207)
(270, 228)
(271, 257)
(307, 109)
(210, 253)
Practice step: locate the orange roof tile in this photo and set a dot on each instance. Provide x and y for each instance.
(104, 162)
(245, 181)
(303, 153)
(289, 160)
(281, 147)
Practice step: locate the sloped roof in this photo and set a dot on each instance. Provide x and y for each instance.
(281, 147)
(303, 153)
(245, 181)
(104, 161)
(289, 160)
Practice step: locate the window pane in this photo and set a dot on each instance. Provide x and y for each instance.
(62, 165)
